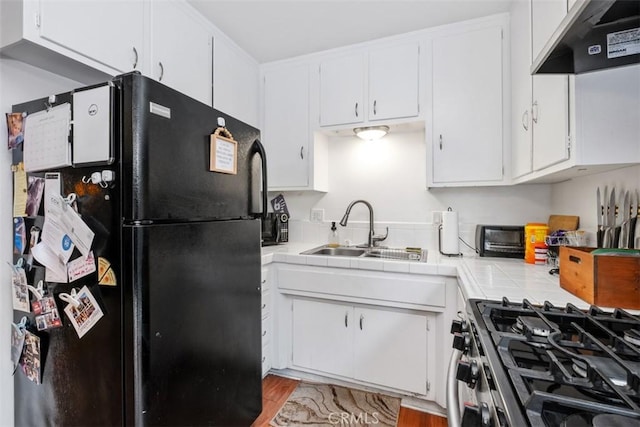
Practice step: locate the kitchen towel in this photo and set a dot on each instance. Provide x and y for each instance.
(449, 233)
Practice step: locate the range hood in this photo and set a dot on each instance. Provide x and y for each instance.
(594, 35)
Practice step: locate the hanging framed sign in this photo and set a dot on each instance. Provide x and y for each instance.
(224, 152)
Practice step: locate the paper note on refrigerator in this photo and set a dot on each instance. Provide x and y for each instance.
(19, 190)
(46, 139)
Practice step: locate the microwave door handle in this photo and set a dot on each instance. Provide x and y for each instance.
(258, 148)
(276, 226)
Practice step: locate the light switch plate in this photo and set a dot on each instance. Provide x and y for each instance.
(317, 215)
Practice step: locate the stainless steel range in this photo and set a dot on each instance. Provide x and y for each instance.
(519, 364)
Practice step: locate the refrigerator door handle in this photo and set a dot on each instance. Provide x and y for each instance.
(258, 148)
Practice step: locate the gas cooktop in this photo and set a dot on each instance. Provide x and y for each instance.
(560, 366)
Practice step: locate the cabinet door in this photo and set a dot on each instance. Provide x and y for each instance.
(467, 107)
(181, 50)
(104, 32)
(286, 126)
(521, 150)
(342, 90)
(235, 82)
(550, 115)
(550, 108)
(546, 15)
(323, 336)
(393, 82)
(390, 349)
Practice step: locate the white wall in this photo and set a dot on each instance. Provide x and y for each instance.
(391, 175)
(18, 83)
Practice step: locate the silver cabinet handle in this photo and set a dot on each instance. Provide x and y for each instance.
(440, 142)
(356, 109)
(525, 120)
(264, 305)
(135, 61)
(161, 71)
(302, 152)
(264, 281)
(534, 112)
(361, 319)
(264, 333)
(264, 358)
(346, 320)
(375, 103)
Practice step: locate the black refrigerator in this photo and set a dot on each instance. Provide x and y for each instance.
(179, 342)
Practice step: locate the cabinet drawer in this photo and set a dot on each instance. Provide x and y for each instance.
(265, 283)
(382, 288)
(266, 330)
(266, 360)
(266, 303)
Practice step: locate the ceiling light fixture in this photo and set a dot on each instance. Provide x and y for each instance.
(370, 133)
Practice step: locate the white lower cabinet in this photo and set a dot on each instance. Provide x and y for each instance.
(382, 346)
(390, 348)
(323, 336)
(266, 321)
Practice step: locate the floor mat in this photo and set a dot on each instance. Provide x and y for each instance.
(313, 404)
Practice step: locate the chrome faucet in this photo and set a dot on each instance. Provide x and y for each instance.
(373, 239)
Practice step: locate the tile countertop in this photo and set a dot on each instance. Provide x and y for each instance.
(484, 278)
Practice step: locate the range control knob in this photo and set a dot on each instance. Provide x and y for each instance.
(468, 372)
(474, 416)
(462, 342)
(459, 326)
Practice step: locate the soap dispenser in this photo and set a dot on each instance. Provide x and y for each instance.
(334, 237)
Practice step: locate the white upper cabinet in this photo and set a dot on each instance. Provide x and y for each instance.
(90, 41)
(540, 103)
(393, 82)
(181, 50)
(467, 130)
(374, 84)
(286, 126)
(106, 33)
(235, 82)
(297, 157)
(521, 123)
(550, 105)
(558, 121)
(342, 90)
(87, 41)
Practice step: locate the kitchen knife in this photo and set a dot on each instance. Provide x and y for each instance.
(611, 220)
(634, 225)
(622, 232)
(599, 210)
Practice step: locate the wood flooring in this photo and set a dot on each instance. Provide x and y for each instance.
(276, 390)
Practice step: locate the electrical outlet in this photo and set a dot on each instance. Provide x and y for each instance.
(436, 217)
(317, 215)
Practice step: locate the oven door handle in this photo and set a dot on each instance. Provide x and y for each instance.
(453, 404)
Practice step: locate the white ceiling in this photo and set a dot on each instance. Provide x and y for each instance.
(272, 30)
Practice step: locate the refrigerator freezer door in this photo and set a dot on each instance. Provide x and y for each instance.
(195, 323)
(166, 153)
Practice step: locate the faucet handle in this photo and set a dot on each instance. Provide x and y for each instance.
(379, 238)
